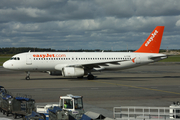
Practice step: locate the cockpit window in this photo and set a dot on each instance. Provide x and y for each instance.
(15, 58)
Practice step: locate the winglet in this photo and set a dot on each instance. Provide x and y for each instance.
(153, 42)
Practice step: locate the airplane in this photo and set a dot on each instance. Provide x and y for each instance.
(80, 64)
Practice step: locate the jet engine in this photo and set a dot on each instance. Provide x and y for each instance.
(72, 72)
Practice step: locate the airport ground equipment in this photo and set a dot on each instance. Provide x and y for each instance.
(94, 116)
(1, 87)
(43, 110)
(72, 104)
(70, 107)
(19, 106)
(146, 113)
(57, 113)
(5, 96)
(34, 116)
(23, 106)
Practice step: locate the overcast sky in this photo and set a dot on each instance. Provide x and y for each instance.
(88, 24)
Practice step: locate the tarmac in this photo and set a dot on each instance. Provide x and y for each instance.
(153, 85)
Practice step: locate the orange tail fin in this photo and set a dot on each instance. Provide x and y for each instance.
(153, 42)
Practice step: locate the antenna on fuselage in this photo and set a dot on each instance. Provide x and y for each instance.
(29, 51)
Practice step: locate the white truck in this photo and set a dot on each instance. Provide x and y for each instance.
(70, 103)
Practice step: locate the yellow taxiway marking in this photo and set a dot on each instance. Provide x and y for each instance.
(138, 87)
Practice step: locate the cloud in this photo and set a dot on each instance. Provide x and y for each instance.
(178, 23)
(103, 24)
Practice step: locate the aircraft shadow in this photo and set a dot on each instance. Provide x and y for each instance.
(103, 78)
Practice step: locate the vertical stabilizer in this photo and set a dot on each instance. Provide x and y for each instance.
(153, 42)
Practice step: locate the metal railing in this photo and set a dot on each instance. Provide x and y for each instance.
(146, 113)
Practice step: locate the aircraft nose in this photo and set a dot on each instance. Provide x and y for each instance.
(7, 65)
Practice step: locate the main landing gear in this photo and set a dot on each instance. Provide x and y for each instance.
(27, 76)
(90, 76)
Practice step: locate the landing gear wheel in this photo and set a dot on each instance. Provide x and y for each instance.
(90, 77)
(27, 78)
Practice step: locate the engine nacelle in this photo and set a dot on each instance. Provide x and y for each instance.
(55, 73)
(72, 72)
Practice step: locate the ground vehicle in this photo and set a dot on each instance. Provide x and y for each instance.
(70, 107)
(43, 110)
(4, 101)
(71, 103)
(34, 116)
(17, 106)
(21, 106)
(1, 87)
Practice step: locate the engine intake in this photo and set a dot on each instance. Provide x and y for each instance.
(72, 72)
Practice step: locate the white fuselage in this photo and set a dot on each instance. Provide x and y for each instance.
(55, 61)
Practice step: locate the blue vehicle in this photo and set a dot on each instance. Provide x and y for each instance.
(34, 116)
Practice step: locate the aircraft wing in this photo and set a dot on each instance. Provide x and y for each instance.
(97, 64)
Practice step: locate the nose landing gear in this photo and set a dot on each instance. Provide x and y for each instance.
(27, 76)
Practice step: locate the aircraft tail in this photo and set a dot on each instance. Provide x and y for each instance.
(153, 42)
